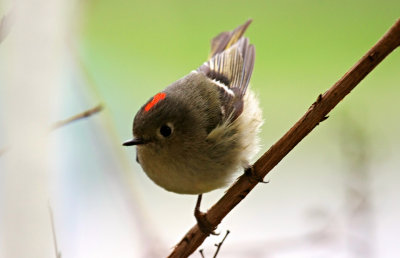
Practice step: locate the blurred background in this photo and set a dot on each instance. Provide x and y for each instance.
(334, 195)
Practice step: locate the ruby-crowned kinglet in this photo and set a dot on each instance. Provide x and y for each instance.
(195, 134)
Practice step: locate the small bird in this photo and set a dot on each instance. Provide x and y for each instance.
(195, 134)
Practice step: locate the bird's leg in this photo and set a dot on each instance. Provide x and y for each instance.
(204, 225)
(249, 173)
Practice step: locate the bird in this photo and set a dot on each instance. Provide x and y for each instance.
(195, 135)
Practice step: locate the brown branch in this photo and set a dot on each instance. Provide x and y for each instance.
(314, 115)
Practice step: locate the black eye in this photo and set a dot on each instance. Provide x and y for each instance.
(165, 130)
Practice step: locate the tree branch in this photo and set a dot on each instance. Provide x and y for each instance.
(317, 113)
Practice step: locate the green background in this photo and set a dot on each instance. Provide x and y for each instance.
(134, 49)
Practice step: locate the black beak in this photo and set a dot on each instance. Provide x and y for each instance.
(134, 141)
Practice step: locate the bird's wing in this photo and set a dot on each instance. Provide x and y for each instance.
(230, 68)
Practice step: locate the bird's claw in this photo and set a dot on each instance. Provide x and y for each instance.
(249, 173)
(204, 225)
(202, 221)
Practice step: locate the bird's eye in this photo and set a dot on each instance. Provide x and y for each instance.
(165, 130)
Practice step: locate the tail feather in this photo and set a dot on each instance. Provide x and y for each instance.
(226, 39)
(232, 60)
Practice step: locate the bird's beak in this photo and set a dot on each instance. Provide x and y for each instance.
(134, 141)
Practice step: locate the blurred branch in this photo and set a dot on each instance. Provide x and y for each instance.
(53, 229)
(356, 149)
(5, 25)
(317, 112)
(76, 117)
(67, 121)
(4, 150)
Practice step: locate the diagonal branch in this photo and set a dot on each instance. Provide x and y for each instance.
(317, 113)
(76, 117)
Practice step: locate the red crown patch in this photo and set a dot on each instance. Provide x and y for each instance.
(157, 98)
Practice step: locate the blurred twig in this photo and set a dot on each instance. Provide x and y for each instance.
(67, 121)
(4, 150)
(76, 117)
(356, 149)
(314, 115)
(53, 229)
(5, 25)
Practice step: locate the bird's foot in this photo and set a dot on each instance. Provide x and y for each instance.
(253, 177)
(204, 225)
